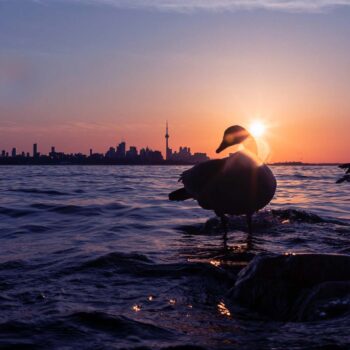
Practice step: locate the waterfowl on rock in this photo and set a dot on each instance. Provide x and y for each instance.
(236, 185)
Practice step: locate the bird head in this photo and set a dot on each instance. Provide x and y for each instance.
(233, 135)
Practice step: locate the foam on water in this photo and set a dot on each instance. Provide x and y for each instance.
(98, 257)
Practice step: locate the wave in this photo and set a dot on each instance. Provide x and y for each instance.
(37, 191)
(138, 265)
(295, 215)
(118, 325)
(13, 265)
(69, 209)
(35, 228)
(86, 324)
(15, 213)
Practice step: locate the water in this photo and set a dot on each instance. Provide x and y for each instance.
(97, 257)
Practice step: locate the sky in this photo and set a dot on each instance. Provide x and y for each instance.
(81, 74)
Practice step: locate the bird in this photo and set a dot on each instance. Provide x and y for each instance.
(346, 177)
(240, 184)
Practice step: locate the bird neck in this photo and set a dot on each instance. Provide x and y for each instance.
(250, 145)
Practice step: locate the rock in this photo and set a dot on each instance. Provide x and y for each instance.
(326, 300)
(295, 287)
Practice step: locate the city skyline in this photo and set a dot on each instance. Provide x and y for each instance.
(118, 154)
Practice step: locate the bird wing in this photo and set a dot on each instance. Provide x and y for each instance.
(196, 179)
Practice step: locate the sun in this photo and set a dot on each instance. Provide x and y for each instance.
(257, 128)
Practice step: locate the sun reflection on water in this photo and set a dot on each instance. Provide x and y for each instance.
(215, 263)
(136, 308)
(223, 310)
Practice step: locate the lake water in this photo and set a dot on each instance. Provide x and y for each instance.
(97, 257)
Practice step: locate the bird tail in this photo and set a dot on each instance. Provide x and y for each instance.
(179, 195)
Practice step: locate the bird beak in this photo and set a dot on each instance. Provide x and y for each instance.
(221, 147)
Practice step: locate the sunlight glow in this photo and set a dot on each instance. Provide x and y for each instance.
(257, 128)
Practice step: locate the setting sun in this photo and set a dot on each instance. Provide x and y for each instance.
(257, 129)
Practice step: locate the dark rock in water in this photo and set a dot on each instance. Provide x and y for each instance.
(297, 215)
(303, 287)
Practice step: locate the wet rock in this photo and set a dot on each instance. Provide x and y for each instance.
(324, 301)
(301, 287)
(297, 215)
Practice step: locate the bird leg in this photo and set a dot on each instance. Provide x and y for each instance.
(224, 221)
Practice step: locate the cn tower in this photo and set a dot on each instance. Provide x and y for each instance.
(166, 142)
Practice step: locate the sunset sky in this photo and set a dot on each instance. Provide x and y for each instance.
(77, 74)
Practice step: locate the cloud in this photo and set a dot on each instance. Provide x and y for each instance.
(222, 5)
(30, 126)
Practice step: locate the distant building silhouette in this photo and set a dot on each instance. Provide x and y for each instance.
(35, 150)
(111, 154)
(168, 151)
(184, 155)
(121, 150)
(14, 152)
(149, 156)
(53, 152)
(132, 153)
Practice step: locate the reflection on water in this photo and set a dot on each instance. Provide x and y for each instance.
(215, 262)
(223, 310)
(97, 257)
(137, 308)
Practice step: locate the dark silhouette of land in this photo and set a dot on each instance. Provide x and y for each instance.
(301, 163)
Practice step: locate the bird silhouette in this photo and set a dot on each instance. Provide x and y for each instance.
(236, 185)
(346, 177)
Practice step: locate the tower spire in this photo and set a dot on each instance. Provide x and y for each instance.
(167, 150)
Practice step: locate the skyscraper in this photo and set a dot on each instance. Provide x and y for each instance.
(121, 150)
(168, 150)
(35, 150)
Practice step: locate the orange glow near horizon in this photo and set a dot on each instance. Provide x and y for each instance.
(308, 141)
